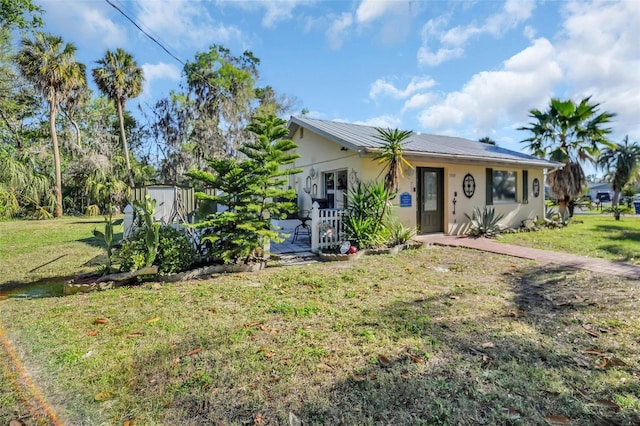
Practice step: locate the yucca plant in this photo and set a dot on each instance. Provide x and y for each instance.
(485, 223)
(367, 203)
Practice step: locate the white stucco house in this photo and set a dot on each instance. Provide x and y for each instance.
(450, 177)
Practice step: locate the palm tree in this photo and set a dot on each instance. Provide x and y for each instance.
(22, 187)
(487, 140)
(49, 64)
(391, 155)
(622, 164)
(571, 134)
(120, 78)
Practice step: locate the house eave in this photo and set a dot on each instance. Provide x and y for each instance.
(294, 124)
(475, 159)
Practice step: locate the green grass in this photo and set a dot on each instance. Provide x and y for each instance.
(31, 251)
(466, 337)
(593, 236)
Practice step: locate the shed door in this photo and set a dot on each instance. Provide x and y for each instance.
(431, 200)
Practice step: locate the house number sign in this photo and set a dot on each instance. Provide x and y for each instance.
(469, 185)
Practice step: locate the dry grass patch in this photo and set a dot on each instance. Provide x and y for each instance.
(434, 336)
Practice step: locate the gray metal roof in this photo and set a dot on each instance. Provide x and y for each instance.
(363, 139)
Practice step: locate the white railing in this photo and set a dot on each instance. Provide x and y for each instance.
(326, 227)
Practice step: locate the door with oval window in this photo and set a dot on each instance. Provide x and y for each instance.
(430, 200)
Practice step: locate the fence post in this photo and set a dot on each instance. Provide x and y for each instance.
(315, 226)
(127, 223)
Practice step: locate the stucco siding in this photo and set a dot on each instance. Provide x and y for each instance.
(320, 155)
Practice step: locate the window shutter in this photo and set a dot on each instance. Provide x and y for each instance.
(525, 187)
(489, 185)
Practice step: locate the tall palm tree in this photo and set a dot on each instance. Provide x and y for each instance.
(49, 64)
(120, 78)
(622, 164)
(571, 134)
(391, 156)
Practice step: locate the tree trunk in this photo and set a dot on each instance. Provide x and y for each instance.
(614, 200)
(123, 137)
(562, 207)
(56, 158)
(77, 128)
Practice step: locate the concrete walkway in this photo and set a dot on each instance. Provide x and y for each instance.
(601, 266)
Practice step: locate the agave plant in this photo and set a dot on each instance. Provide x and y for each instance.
(398, 233)
(485, 223)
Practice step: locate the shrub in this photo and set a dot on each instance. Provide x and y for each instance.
(618, 210)
(92, 210)
(367, 203)
(484, 223)
(398, 233)
(175, 252)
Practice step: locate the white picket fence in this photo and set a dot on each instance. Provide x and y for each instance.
(327, 229)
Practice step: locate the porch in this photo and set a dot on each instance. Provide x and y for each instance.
(324, 229)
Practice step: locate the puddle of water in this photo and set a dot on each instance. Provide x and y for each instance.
(32, 291)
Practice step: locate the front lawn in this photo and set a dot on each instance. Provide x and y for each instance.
(434, 336)
(49, 250)
(593, 236)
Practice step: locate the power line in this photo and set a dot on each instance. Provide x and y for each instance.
(145, 33)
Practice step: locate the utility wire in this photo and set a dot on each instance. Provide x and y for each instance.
(145, 33)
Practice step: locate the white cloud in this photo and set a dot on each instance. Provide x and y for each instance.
(384, 121)
(605, 62)
(337, 30)
(427, 57)
(105, 29)
(381, 87)
(180, 23)
(159, 71)
(529, 32)
(275, 11)
(526, 81)
(420, 100)
(514, 12)
(450, 42)
(91, 25)
(370, 10)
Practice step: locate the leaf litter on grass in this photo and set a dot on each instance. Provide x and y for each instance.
(264, 348)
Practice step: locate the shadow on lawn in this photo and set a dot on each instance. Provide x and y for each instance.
(623, 241)
(475, 369)
(481, 365)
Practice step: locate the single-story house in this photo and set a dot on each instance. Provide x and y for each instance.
(450, 177)
(593, 189)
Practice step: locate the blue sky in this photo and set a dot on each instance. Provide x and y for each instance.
(463, 68)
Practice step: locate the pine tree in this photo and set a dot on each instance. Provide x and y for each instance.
(251, 190)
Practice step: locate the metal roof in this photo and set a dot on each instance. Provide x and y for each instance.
(363, 139)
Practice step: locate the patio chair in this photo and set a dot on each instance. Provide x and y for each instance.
(303, 228)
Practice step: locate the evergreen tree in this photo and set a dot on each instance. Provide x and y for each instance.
(250, 190)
